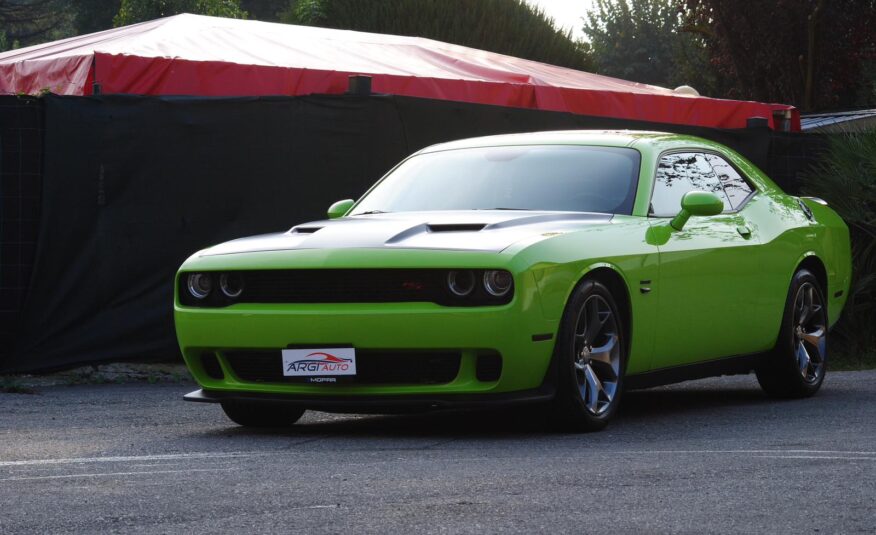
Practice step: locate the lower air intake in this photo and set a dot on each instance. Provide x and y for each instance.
(489, 366)
(211, 366)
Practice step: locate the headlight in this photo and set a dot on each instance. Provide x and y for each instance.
(231, 284)
(200, 285)
(461, 283)
(498, 283)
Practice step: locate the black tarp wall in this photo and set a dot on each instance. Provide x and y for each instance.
(133, 185)
(21, 145)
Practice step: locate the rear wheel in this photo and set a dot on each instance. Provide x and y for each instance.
(797, 365)
(261, 414)
(591, 353)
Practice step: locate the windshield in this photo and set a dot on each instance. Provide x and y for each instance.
(533, 177)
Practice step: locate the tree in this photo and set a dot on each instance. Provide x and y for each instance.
(29, 22)
(94, 15)
(132, 11)
(267, 10)
(510, 27)
(642, 41)
(809, 53)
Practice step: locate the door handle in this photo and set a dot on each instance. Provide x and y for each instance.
(744, 231)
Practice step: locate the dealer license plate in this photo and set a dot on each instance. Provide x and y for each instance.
(319, 362)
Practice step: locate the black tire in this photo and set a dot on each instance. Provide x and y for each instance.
(573, 408)
(261, 414)
(796, 367)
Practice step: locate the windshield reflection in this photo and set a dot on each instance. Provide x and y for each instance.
(530, 177)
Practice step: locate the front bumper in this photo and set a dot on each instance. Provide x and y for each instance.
(517, 331)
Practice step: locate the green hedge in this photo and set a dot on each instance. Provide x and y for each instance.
(846, 178)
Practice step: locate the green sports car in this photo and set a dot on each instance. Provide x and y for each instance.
(558, 268)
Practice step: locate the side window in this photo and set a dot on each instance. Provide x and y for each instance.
(736, 188)
(680, 173)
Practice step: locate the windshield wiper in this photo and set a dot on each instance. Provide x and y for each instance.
(500, 208)
(372, 212)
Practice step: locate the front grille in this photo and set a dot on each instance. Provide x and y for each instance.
(343, 286)
(372, 367)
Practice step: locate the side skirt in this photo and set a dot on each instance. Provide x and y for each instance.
(739, 365)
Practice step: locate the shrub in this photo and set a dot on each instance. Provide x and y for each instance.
(845, 177)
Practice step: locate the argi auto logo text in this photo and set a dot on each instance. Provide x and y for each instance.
(319, 363)
(316, 362)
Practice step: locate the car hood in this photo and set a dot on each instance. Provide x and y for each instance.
(473, 230)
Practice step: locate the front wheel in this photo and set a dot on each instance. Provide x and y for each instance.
(261, 414)
(591, 354)
(796, 366)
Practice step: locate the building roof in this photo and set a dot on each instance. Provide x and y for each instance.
(839, 121)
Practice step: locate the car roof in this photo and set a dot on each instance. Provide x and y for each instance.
(604, 138)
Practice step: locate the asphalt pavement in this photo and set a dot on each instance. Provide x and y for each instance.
(712, 456)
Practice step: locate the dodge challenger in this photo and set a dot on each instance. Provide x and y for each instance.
(552, 268)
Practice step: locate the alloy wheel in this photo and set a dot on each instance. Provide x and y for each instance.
(597, 357)
(810, 332)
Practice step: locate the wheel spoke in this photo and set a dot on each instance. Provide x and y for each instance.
(584, 325)
(817, 341)
(609, 387)
(810, 308)
(603, 353)
(811, 313)
(592, 319)
(803, 360)
(594, 387)
(803, 315)
(605, 360)
(604, 371)
(800, 308)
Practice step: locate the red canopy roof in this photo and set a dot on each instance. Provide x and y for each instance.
(208, 56)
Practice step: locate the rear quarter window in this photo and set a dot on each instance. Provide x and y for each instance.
(735, 186)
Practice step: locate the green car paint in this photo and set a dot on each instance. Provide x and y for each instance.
(696, 287)
(696, 203)
(340, 208)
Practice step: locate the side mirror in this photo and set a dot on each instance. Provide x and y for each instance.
(697, 203)
(340, 208)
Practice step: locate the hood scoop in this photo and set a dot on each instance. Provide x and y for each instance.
(461, 230)
(456, 227)
(305, 230)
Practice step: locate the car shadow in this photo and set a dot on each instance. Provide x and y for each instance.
(685, 402)
(639, 408)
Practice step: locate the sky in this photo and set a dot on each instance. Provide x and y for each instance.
(566, 13)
